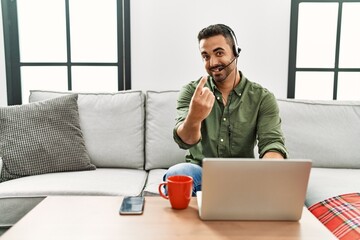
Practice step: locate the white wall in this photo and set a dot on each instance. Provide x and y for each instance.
(3, 95)
(165, 52)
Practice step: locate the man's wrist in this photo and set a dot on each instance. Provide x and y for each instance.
(189, 133)
(273, 154)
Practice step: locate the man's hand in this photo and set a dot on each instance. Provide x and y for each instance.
(200, 107)
(201, 103)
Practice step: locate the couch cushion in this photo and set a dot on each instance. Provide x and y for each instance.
(42, 137)
(112, 124)
(19, 196)
(155, 177)
(324, 131)
(325, 183)
(160, 148)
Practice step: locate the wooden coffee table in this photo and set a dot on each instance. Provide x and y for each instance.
(93, 217)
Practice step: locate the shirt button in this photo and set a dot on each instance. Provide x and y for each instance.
(218, 98)
(224, 119)
(221, 140)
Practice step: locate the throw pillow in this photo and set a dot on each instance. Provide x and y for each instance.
(42, 137)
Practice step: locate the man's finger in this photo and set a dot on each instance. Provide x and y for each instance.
(201, 85)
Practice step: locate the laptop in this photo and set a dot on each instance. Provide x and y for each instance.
(253, 189)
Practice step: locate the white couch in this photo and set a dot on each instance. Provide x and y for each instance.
(129, 138)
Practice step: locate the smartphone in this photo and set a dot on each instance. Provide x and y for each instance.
(132, 205)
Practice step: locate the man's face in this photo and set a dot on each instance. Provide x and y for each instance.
(216, 52)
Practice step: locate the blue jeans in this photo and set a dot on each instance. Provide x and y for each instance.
(189, 169)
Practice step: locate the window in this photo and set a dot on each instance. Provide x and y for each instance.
(324, 61)
(79, 45)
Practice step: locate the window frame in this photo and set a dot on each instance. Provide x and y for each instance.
(293, 48)
(12, 50)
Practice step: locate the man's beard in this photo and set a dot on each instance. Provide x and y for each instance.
(221, 76)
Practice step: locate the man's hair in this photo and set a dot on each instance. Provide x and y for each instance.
(218, 29)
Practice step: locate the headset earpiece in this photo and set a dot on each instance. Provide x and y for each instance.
(236, 48)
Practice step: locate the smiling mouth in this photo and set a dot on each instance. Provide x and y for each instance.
(217, 68)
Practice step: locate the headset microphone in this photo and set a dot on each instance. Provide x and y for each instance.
(223, 67)
(220, 68)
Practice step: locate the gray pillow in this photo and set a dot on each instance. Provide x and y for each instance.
(42, 137)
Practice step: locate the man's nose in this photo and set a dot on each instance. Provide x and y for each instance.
(214, 62)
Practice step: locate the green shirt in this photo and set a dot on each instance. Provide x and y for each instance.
(251, 115)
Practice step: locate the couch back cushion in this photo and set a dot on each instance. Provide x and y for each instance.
(112, 125)
(160, 148)
(325, 131)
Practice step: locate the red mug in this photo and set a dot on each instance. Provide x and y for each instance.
(179, 188)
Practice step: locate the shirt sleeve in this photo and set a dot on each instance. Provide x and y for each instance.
(270, 136)
(182, 110)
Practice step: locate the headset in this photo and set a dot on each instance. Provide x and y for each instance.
(236, 48)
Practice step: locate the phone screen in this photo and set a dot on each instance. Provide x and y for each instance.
(132, 205)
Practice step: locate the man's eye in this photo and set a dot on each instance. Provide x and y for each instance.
(219, 54)
(205, 57)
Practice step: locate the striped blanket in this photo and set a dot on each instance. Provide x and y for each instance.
(341, 215)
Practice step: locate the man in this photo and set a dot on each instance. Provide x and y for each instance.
(223, 114)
